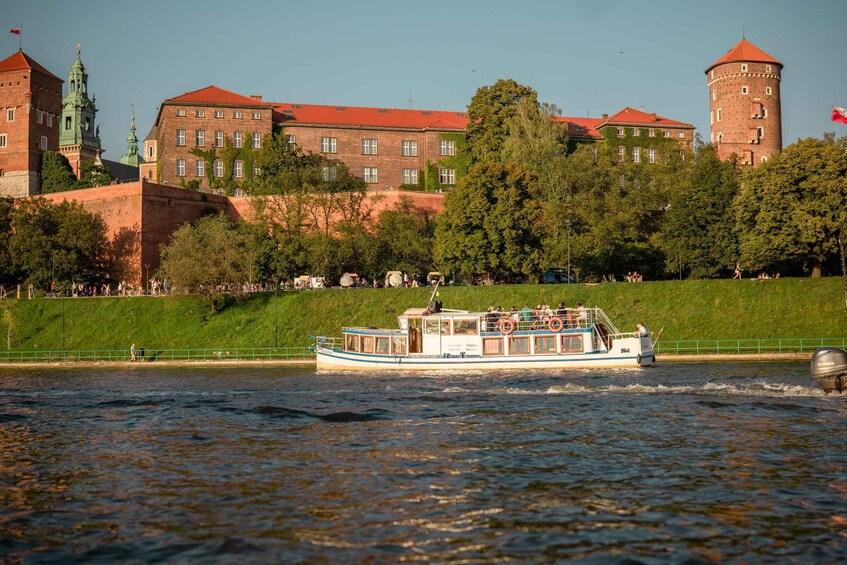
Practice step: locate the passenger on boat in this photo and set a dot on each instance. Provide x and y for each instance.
(642, 329)
(581, 315)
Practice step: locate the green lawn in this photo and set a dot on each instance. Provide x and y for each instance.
(723, 309)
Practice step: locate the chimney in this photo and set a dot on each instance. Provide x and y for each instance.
(256, 97)
(605, 116)
(653, 117)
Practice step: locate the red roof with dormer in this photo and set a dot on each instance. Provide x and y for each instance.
(744, 51)
(353, 116)
(215, 95)
(20, 61)
(631, 116)
(585, 128)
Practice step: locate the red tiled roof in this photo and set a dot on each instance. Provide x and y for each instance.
(20, 61)
(215, 95)
(313, 114)
(637, 117)
(581, 127)
(744, 51)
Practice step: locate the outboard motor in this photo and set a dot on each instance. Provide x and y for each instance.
(434, 306)
(829, 369)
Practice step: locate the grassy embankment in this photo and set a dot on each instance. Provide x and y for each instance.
(721, 309)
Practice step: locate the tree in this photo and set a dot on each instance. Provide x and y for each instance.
(698, 232)
(211, 258)
(488, 117)
(487, 224)
(56, 173)
(404, 238)
(93, 174)
(790, 211)
(7, 270)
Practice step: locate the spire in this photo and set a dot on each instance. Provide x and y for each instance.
(78, 126)
(130, 157)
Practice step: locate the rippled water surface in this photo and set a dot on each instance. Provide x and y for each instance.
(676, 463)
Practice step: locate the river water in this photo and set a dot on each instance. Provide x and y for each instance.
(675, 463)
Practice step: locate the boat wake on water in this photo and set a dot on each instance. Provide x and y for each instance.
(763, 389)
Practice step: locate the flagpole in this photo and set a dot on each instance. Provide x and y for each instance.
(21, 38)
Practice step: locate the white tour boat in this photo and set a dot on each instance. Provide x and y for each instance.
(434, 339)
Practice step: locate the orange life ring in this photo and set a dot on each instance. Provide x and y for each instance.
(555, 324)
(506, 326)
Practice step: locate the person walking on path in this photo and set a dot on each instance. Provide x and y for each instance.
(738, 272)
(133, 354)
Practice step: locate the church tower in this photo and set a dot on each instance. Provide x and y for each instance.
(79, 138)
(130, 157)
(745, 111)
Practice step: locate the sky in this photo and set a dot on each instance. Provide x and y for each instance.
(587, 57)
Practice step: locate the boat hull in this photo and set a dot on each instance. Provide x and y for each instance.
(334, 359)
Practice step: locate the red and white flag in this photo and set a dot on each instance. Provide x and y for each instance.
(16, 31)
(839, 115)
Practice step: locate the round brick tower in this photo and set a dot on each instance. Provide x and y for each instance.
(744, 104)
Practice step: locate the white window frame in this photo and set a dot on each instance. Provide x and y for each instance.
(10, 115)
(768, 68)
(39, 116)
(711, 117)
(636, 154)
(180, 112)
(180, 167)
(621, 153)
(44, 143)
(410, 148)
(666, 134)
(714, 95)
(447, 147)
(636, 132)
(237, 115)
(651, 133)
(680, 135)
(745, 90)
(49, 120)
(219, 113)
(410, 176)
(257, 140)
(743, 67)
(238, 139)
(238, 169)
(370, 147)
(292, 139)
(447, 176)
(329, 145)
(200, 168)
(219, 168)
(720, 113)
(651, 155)
(257, 170)
(329, 173)
(219, 138)
(257, 115)
(768, 90)
(180, 138)
(370, 175)
(200, 114)
(200, 138)
(4, 140)
(760, 131)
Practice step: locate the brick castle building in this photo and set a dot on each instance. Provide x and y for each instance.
(745, 110)
(388, 148)
(30, 107)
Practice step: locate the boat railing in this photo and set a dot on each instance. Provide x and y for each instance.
(326, 342)
(374, 331)
(556, 319)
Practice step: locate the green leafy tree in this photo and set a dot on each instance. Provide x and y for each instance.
(404, 238)
(698, 232)
(56, 173)
(210, 258)
(93, 174)
(487, 226)
(8, 273)
(489, 113)
(790, 211)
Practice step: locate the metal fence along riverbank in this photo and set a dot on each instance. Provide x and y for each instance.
(228, 354)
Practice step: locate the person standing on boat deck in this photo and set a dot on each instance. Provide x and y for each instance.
(526, 314)
(581, 316)
(642, 329)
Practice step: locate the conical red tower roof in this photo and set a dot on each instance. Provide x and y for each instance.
(744, 51)
(20, 61)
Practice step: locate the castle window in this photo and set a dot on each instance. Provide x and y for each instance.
(767, 68)
(621, 153)
(447, 148)
(200, 168)
(257, 140)
(39, 116)
(10, 115)
(49, 120)
(200, 138)
(292, 140)
(180, 112)
(410, 176)
(720, 137)
(711, 117)
(150, 151)
(257, 170)
(257, 115)
(200, 113)
(238, 139)
(621, 180)
(763, 159)
(720, 114)
(329, 173)
(180, 167)
(3, 140)
(713, 74)
(238, 169)
(410, 149)
(745, 90)
(760, 131)
(446, 176)
(636, 132)
(681, 135)
(651, 133)
(743, 67)
(219, 168)
(329, 145)
(636, 154)
(369, 147)
(369, 174)
(621, 132)
(768, 90)
(651, 155)
(73, 86)
(219, 138)
(764, 112)
(180, 137)
(68, 122)
(757, 110)
(714, 95)
(666, 134)
(43, 142)
(237, 115)
(219, 113)
(87, 124)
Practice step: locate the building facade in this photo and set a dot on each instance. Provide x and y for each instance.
(745, 110)
(388, 148)
(30, 108)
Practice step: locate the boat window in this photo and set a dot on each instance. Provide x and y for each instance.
(545, 344)
(518, 345)
(382, 345)
(465, 327)
(434, 326)
(367, 344)
(492, 346)
(571, 344)
(398, 345)
(351, 342)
